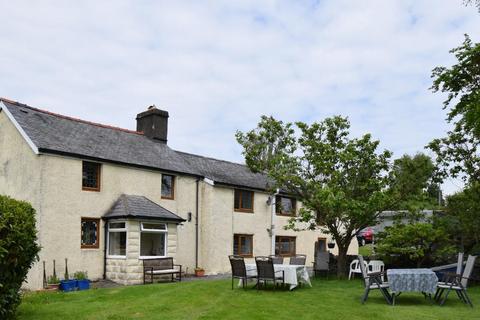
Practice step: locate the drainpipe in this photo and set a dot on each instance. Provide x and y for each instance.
(196, 223)
(105, 235)
(272, 223)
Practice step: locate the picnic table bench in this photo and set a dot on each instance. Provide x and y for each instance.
(161, 266)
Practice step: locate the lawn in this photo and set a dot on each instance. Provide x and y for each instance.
(327, 299)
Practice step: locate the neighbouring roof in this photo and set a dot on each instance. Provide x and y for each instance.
(130, 206)
(58, 134)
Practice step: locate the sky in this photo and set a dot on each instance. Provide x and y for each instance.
(217, 66)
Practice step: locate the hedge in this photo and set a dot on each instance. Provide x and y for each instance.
(18, 251)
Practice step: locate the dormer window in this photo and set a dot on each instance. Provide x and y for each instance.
(91, 176)
(168, 186)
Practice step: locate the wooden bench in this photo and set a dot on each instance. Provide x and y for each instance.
(161, 266)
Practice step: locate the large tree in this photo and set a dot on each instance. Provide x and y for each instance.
(458, 153)
(463, 216)
(340, 180)
(413, 183)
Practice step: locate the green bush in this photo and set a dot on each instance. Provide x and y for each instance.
(418, 244)
(18, 251)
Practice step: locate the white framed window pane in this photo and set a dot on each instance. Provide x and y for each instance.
(117, 225)
(117, 243)
(152, 244)
(154, 226)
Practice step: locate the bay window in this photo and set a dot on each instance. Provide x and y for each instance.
(153, 240)
(117, 239)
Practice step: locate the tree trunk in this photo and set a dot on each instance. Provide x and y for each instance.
(342, 261)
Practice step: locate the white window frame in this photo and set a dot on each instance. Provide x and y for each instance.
(144, 230)
(125, 229)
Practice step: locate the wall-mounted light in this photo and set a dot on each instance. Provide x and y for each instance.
(189, 218)
(269, 200)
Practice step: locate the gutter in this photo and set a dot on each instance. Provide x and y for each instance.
(105, 235)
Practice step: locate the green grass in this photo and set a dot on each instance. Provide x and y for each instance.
(327, 299)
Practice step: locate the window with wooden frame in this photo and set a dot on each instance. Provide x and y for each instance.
(91, 176)
(285, 246)
(243, 245)
(243, 200)
(168, 186)
(322, 245)
(90, 233)
(285, 206)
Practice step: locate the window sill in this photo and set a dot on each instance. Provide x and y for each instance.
(243, 210)
(117, 257)
(151, 257)
(90, 247)
(285, 215)
(167, 198)
(91, 189)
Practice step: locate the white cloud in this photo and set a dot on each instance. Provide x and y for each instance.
(217, 67)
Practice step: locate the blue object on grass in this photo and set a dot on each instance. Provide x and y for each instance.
(83, 284)
(68, 285)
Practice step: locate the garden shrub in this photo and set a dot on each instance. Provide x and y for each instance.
(18, 251)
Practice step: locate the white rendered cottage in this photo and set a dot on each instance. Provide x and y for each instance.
(107, 198)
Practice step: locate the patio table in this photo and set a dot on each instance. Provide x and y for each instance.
(294, 274)
(412, 280)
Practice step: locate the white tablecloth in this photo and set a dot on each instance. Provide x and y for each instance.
(294, 274)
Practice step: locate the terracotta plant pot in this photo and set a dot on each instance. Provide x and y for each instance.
(199, 272)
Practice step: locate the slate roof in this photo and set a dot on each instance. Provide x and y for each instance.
(58, 134)
(131, 206)
(225, 172)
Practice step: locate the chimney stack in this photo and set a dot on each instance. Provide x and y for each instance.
(154, 124)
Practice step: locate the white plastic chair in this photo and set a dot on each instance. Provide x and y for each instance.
(376, 266)
(354, 268)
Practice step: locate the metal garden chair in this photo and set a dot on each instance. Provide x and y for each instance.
(239, 270)
(266, 272)
(373, 281)
(456, 282)
(298, 259)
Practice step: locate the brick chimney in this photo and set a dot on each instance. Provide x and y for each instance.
(154, 124)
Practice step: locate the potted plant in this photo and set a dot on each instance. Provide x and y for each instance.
(199, 272)
(52, 283)
(331, 244)
(81, 278)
